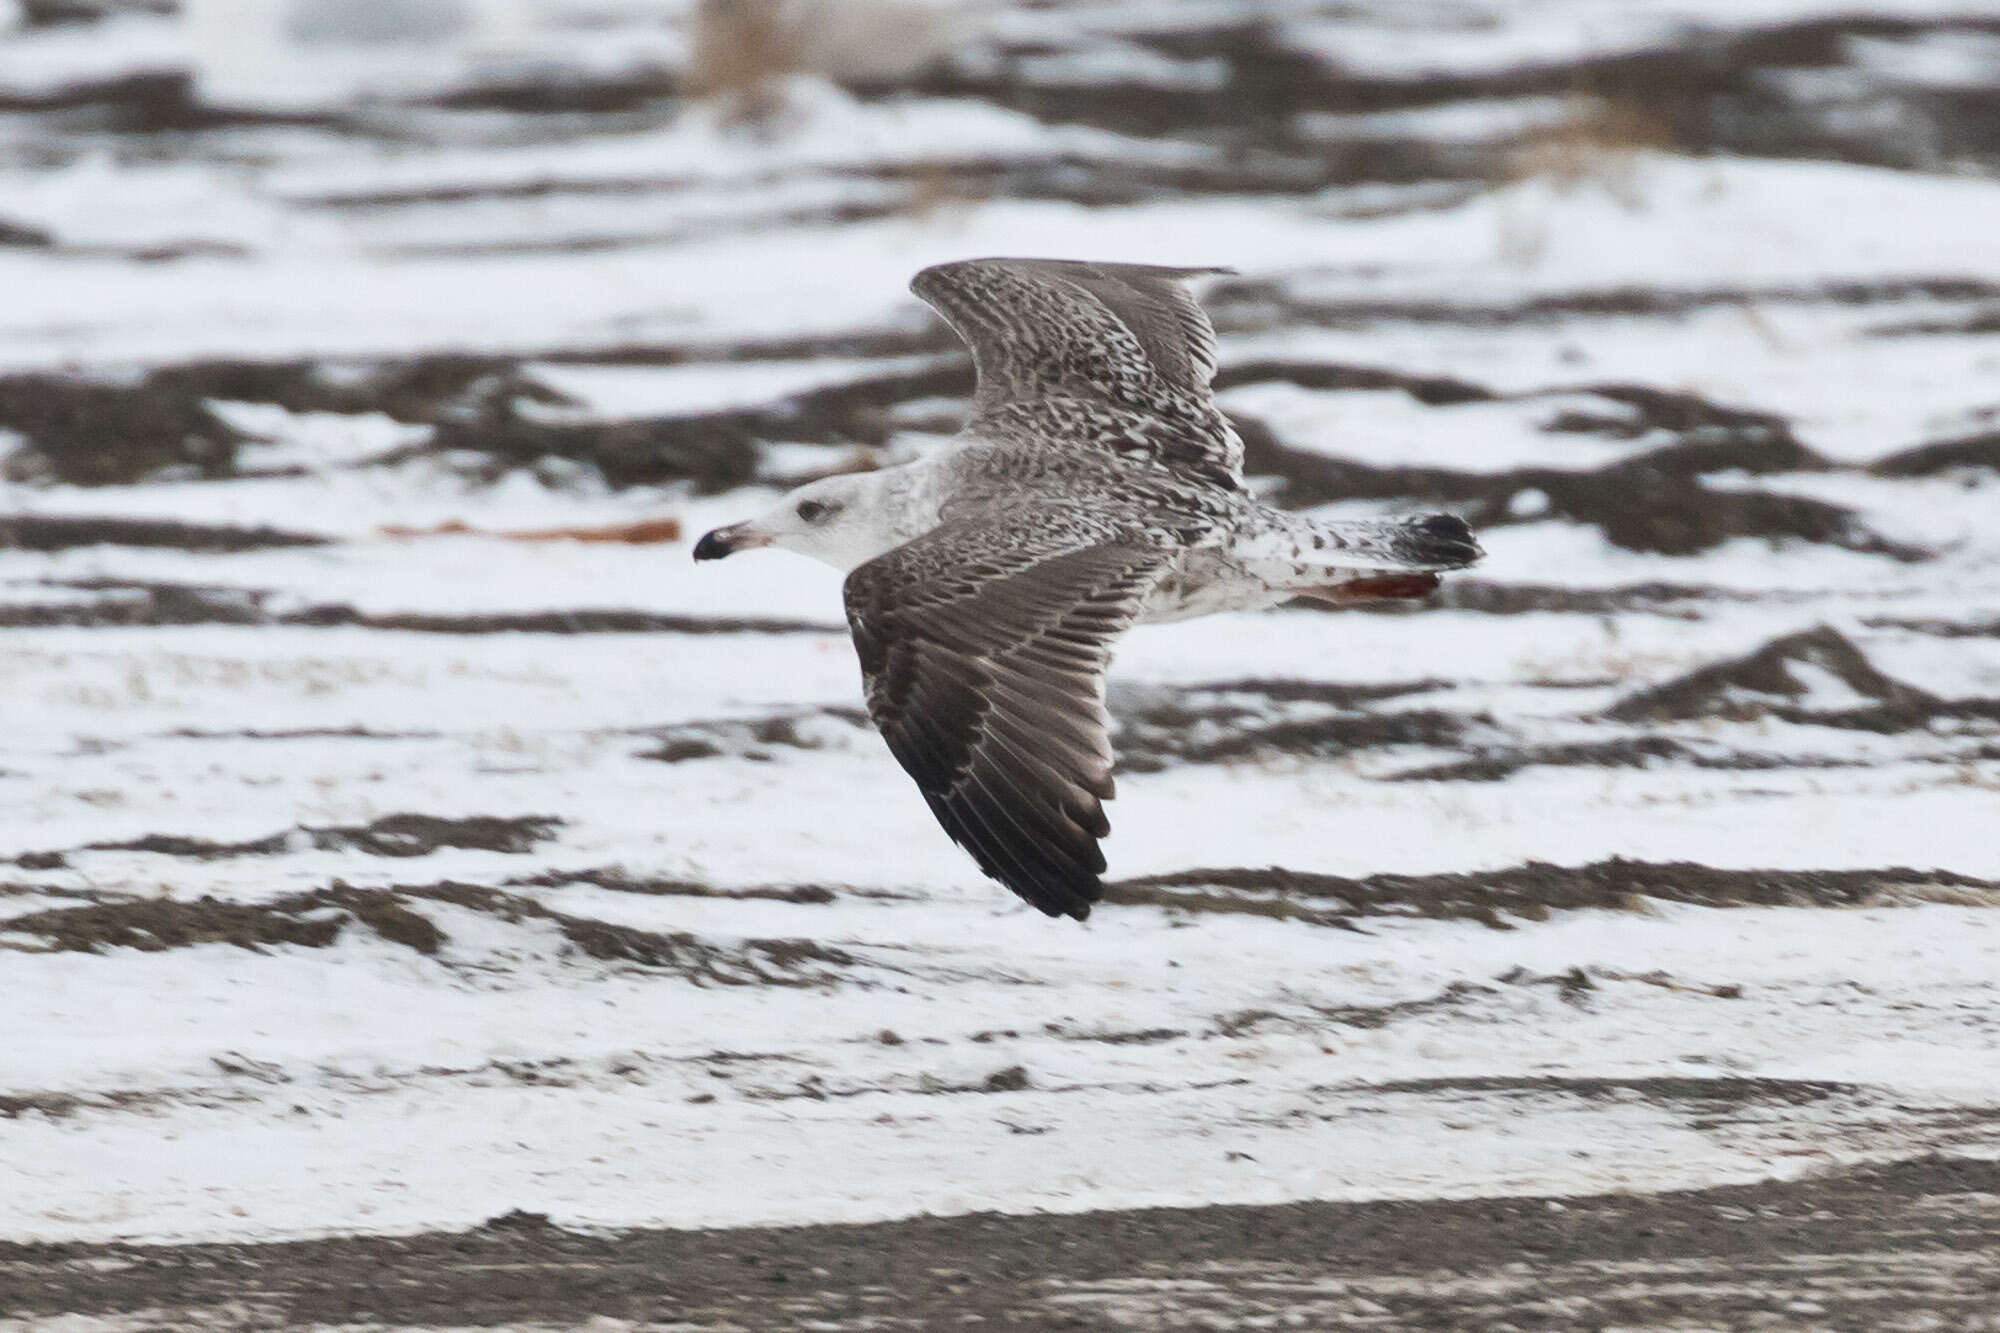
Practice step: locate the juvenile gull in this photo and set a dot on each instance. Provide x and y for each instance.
(1095, 486)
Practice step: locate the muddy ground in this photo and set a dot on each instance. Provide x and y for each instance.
(1906, 1247)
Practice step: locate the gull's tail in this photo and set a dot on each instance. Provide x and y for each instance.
(1357, 560)
(1431, 544)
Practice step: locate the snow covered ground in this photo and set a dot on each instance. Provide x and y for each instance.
(364, 867)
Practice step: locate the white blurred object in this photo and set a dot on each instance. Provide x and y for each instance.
(771, 63)
(875, 41)
(301, 54)
(375, 22)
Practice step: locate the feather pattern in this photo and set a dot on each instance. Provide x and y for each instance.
(1095, 486)
(1116, 355)
(984, 647)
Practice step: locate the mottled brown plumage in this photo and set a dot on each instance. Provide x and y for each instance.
(986, 677)
(1095, 486)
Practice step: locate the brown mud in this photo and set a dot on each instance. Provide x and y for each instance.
(1532, 891)
(62, 532)
(1903, 1246)
(318, 918)
(123, 603)
(1222, 722)
(1764, 684)
(1655, 501)
(398, 835)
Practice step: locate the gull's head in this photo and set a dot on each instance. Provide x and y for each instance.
(834, 519)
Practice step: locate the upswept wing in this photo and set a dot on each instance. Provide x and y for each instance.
(1119, 355)
(984, 647)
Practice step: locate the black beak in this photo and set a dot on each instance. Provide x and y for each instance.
(730, 540)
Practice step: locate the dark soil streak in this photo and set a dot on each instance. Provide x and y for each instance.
(1942, 629)
(1897, 1246)
(392, 835)
(1430, 390)
(1703, 1092)
(1159, 737)
(769, 962)
(1278, 689)
(1371, 1016)
(1622, 752)
(1712, 90)
(1681, 601)
(617, 881)
(1529, 891)
(91, 432)
(559, 622)
(88, 433)
(155, 926)
(1979, 320)
(316, 920)
(1654, 502)
(1926, 460)
(747, 738)
(127, 604)
(1139, 893)
(1238, 300)
(356, 732)
(1225, 721)
(62, 532)
(1762, 682)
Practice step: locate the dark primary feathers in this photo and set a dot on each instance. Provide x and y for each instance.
(1117, 355)
(1439, 541)
(984, 646)
(1096, 460)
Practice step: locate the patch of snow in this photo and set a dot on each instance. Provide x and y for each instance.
(316, 440)
(1388, 428)
(1125, 65)
(1481, 120)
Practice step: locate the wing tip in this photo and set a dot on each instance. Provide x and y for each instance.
(1072, 901)
(924, 276)
(1442, 541)
(1070, 895)
(1053, 879)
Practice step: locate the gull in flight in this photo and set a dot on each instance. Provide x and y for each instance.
(1095, 486)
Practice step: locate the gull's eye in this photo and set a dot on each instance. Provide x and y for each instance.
(812, 511)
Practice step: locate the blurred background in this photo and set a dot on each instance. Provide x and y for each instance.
(368, 366)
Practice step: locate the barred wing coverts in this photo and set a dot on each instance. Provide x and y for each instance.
(984, 649)
(1051, 336)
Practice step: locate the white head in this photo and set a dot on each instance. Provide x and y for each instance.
(837, 519)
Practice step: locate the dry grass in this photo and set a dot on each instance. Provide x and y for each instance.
(745, 50)
(1601, 144)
